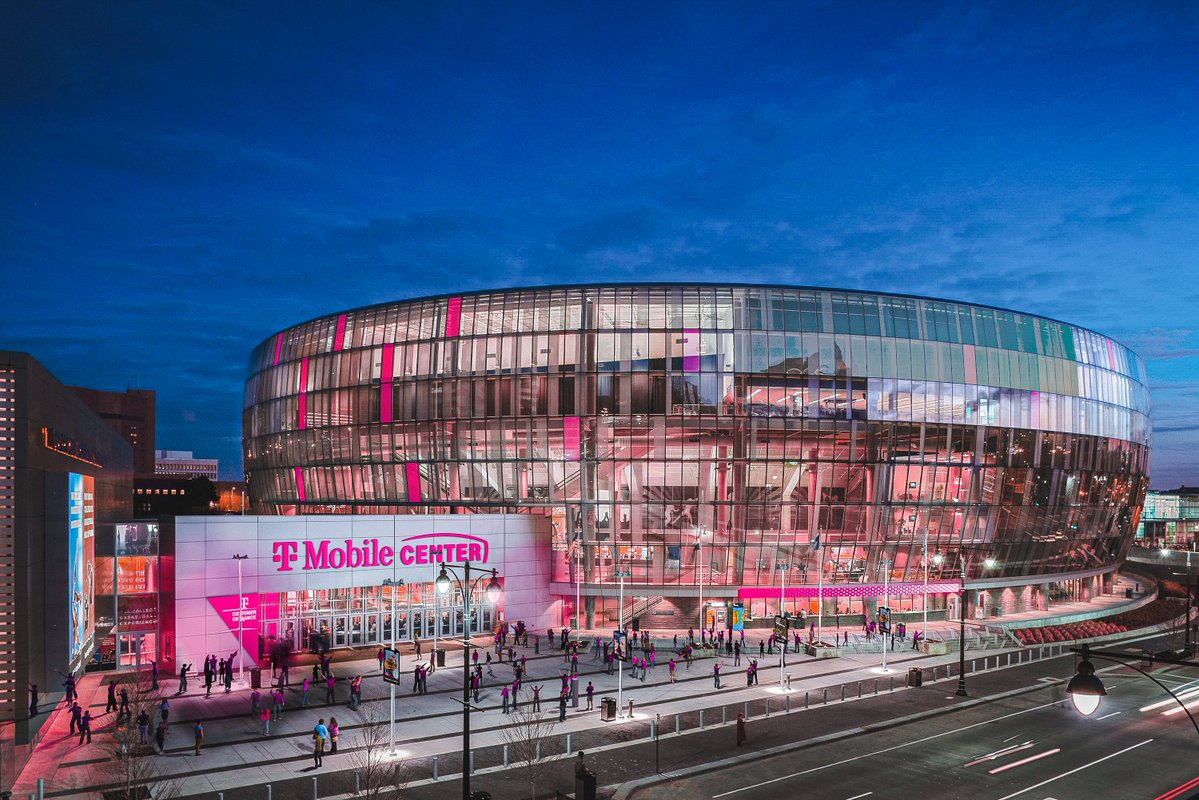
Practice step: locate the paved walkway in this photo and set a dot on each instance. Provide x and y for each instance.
(236, 755)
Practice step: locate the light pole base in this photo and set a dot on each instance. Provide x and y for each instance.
(961, 692)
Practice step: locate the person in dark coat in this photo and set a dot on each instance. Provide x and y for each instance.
(740, 728)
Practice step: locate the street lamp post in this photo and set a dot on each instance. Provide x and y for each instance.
(241, 678)
(1186, 637)
(988, 563)
(886, 635)
(700, 533)
(466, 586)
(1086, 689)
(784, 566)
(393, 585)
(621, 574)
(924, 559)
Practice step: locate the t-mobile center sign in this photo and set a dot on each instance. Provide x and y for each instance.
(327, 554)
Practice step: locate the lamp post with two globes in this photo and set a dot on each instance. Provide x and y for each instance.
(447, 577)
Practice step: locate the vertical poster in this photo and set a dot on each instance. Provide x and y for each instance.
(81, 544)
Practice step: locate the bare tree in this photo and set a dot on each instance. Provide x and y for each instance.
(381, 777)
(527, 739)
(135, 772)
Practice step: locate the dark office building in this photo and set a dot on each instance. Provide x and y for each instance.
(65, 476)
(131, 412)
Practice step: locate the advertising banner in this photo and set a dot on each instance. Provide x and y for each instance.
(738, 617)
(246, 612)
(81, 571)
(391, 665)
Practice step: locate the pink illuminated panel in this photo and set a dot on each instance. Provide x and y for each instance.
(278, 348)
(300, 483)
(385, 381)
(453, 317)
(570, 439)
(340, 335)
(412, 473)
(851, 590)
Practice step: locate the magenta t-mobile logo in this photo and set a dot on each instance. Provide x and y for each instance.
(325, 554)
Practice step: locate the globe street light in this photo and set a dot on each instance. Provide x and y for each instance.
(1086, 690)
(937, 559)
(449, 576)
(393, 585)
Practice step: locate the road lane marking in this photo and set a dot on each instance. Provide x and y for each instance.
(1008, 739)
(998, 753)
(1178, 790)
(884, 750)
(1105, 716)
(1024, 761)
(1076, 769)
(859, 796)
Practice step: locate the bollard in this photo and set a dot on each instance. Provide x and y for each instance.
(805, 700)
(568, 749)
(826, 695)
(701, 719)
(537, 751)
(434, 767)
(505, 755)
(892, 684)
(357, 783)
(876, 685)
(220, 796)
(788, 704)
(859, 690)
(41, 788)
(747, 709)
(676, 723)
(768, 706)
(653, 730)
(395, 780)
(843, 693)
(315, 792)
(268, 792)
(472, 761)
(724, 715)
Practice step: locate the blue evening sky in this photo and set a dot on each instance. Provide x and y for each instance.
(180, 180)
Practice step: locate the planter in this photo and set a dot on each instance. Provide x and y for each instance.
(821, 650)
(934, 648)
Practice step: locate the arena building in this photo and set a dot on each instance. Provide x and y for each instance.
(724, 445)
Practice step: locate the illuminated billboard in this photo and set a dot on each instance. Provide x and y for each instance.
(81, 544)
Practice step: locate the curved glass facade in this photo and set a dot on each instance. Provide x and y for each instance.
(642, 417)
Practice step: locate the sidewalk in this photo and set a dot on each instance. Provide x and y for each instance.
(235, 755)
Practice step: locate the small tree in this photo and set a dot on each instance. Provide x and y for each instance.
(135, 772)
(527, 743)
(382, 777)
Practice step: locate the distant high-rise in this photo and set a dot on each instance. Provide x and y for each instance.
(131, 412)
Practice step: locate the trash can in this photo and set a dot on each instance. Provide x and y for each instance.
(607, 709)
(585, 786)
(1128, 593)
(915, 677)
(255, 678)
(441, 663)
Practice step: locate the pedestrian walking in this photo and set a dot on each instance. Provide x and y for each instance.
(164, 710)
(504, 697)
(264, 717)
(740, 728)
(76, 713)
(85, 727)
(562, 707)
(672, 666)
(112, 697)
(537, 698)
(330, 689)
(716, 673)
(228, 679)
(590, 695)
(33, 700)
(199, 733)
(380, 657)
(160, 737)
(153, 675)
(334, 732)
(255, 702)
(69, 686)
(355, 692)
(304, 692)
(320, 735)
(143, 727)
(124, 712)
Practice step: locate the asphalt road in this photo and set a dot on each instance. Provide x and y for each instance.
(1033, 746)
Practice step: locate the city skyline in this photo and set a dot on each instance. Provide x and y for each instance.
(184, 181)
